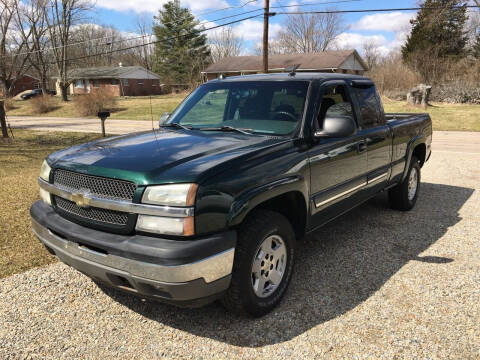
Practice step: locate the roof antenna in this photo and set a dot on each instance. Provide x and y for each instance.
(292, 69)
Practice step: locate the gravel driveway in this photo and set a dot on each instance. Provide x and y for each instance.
(375, 283)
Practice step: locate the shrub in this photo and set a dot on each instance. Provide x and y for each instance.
(98, 100)
(9, 104)
(43, 104)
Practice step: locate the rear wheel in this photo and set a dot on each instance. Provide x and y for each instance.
(263, 264)
(404, 195)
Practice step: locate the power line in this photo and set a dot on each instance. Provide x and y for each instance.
(156, 41)
(200, 23)
(367, 10)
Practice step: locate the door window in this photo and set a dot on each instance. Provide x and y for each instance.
(335, 102)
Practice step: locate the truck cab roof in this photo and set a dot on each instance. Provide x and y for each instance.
(285, 76)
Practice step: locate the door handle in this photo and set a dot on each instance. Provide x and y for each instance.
(362, 147)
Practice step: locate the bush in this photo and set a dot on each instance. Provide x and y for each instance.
(9, 104)
(94, 102)
(43, 104)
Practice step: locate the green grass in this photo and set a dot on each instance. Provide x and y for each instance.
(131, 108)
(447, 117)
(20, 161)
(451, 117)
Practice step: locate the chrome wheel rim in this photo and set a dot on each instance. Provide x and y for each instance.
(412, 184)
(268, 266)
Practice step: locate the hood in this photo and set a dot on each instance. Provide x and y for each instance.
(157, 157)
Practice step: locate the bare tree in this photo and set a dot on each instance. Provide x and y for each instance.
(32, 14)
(225, 43)
(274, 48)
(144, 28)
(13, 59)
(371, 53)
(307, 33)
(61, 16)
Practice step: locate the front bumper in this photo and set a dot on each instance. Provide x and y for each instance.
(188, 273)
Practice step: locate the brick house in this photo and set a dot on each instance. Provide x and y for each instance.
(26, 82)
(342, 61)
(120, 81)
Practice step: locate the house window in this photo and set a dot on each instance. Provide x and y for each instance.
(114, 82)
(36, 85)
(125, 82)
(155, 82)
(140, 82)
(79, 84)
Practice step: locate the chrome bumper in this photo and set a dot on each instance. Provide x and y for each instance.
(209, 269)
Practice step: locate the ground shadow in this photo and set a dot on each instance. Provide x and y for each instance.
(337, 268)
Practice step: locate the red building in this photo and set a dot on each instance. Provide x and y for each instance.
(120, 81)
(26, 82)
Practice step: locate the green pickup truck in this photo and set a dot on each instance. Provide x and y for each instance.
(211, 204)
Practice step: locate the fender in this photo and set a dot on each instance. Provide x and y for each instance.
(417, 140)
(249, 199)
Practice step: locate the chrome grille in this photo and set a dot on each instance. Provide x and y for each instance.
(99, 186)
(97, 214)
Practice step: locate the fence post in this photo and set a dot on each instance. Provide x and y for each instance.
(3, 121)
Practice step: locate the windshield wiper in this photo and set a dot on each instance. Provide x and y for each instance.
(228, 128)
(176, 125)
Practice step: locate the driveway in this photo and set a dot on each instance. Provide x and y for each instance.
(375, 283)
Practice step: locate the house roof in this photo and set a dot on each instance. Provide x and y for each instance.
(111, 72)
(308, 61)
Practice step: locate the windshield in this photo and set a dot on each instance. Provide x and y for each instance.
(268, 107)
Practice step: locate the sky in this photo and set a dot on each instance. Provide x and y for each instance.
(387, 30)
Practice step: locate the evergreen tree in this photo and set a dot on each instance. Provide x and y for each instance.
(181, 52)
(437, 35)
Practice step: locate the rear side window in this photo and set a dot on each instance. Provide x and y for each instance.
(369, 106)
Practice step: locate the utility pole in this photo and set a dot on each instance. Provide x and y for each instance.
(266, 15)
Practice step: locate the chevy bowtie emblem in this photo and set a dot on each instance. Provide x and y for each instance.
(82, 199)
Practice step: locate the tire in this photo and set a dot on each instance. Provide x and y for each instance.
(251, 267)
(400, 196)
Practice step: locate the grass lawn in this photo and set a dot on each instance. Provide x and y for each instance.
(130, 108)
(20, 161)
(448, 117)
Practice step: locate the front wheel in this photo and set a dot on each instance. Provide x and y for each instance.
(263, 264)
(404, 195)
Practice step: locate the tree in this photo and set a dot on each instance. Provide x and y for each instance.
(61, 16)
(274, 48)
(181, 51)
(225, 43)
(476, 47)
(36, 39)
(371, 53)
(437, 35)
(13, 46)
(310, 33)
(144, 53)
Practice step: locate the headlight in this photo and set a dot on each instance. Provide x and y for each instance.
(165, 225)
(170, 195)
(45, 171)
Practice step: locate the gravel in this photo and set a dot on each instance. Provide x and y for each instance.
(376, 283)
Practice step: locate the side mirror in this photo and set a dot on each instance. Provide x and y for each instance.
(338, 126)
(164, 118)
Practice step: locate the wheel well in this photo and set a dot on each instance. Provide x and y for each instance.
(292, 206)
(420, 153)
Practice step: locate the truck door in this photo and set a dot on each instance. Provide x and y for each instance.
(377, 133)
(338, 166)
